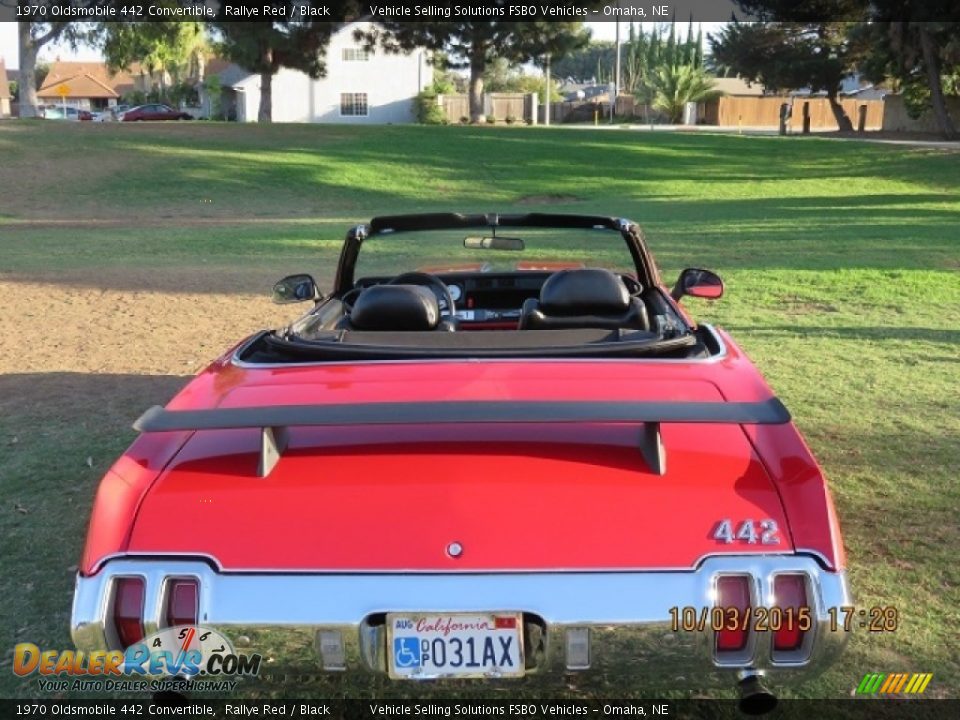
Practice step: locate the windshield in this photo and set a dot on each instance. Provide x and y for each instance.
(438, 251)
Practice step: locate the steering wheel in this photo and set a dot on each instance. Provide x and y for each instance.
(437, 285)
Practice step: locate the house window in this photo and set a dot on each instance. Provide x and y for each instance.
(353, 104)
(354, 54)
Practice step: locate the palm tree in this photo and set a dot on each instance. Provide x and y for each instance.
(673, 87)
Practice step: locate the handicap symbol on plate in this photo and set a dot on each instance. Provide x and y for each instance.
(406, 652)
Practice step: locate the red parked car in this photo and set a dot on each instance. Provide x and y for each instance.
(154, 111)
(503, 468)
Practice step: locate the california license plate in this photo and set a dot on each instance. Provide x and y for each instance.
(421, 647)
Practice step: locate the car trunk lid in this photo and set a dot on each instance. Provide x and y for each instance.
(513, 496)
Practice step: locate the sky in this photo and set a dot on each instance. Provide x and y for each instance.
(10, 54)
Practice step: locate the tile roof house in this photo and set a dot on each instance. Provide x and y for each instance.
(89, 85)
(4, 92)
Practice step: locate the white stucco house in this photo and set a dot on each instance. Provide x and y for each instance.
(359, 87)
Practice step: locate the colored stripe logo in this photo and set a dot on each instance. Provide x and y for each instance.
(894, 683)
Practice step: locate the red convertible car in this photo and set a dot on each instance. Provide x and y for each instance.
(522, 458)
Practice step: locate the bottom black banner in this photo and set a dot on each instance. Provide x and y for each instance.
(174, 706)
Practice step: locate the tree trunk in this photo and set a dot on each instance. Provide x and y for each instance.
(843, 122)
(28, 72)
(477, 67)
(265, 114)
(932, 66)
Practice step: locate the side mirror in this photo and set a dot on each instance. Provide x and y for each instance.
(296, 288)
(697, 282)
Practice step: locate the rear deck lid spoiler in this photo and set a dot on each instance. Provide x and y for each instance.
(274, 420)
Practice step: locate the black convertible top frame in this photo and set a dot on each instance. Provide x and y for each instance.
(275, 420)
(629, 231)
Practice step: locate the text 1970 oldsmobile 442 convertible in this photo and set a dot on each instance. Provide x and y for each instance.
(484, 468)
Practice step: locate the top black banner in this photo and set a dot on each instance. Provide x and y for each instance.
(465, 10)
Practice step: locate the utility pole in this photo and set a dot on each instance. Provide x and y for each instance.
(546, 92)
(616, 76)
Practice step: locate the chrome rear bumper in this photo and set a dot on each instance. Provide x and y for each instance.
(283, 616)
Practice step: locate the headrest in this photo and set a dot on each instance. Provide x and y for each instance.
(584, 291)
(395, 307)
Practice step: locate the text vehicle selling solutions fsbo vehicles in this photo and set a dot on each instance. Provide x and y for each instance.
(519, 457)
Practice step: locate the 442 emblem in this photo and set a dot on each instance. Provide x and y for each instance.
(748, 531)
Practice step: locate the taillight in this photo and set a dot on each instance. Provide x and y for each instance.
(182, 602)
(790, 596)
(128, 610)
(733, 596)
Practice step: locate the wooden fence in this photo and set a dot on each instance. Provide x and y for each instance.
(455, 107)
(897, 119)
(736, 111)
(726, 111)
(519, 106)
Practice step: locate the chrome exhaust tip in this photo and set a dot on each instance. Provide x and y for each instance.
(755, 698)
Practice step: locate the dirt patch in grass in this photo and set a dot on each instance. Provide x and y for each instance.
(140, 322)
(162, 221)
(547, 199)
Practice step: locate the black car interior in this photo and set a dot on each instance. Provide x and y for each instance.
(550, 309)
(585, 298)
(587, 312)
(396, 308)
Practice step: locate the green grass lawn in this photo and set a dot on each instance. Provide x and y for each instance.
(842, 264)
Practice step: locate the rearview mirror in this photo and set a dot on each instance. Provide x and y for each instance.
(493, 243)
(296, 288)
(697, 282)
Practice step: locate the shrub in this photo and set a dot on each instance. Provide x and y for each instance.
(491, 120)
(214, 90)
(511, 119)
(464, 120)
(181, 94)
(134, 98)
(428, 111)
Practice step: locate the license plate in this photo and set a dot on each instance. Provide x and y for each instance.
(421, 647)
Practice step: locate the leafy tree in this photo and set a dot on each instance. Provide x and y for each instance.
(789, 56)
(642, 54)
(41, 70)
(501, 76)
(265, 47)
(670, 51)
(474, 45)
(32, 37)
(214, 91)
(14, 87)
(906, 40)
(177, 48)
(698, 48)
(673, 87)
(444, 81)
(906, 44)
(582, 65)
